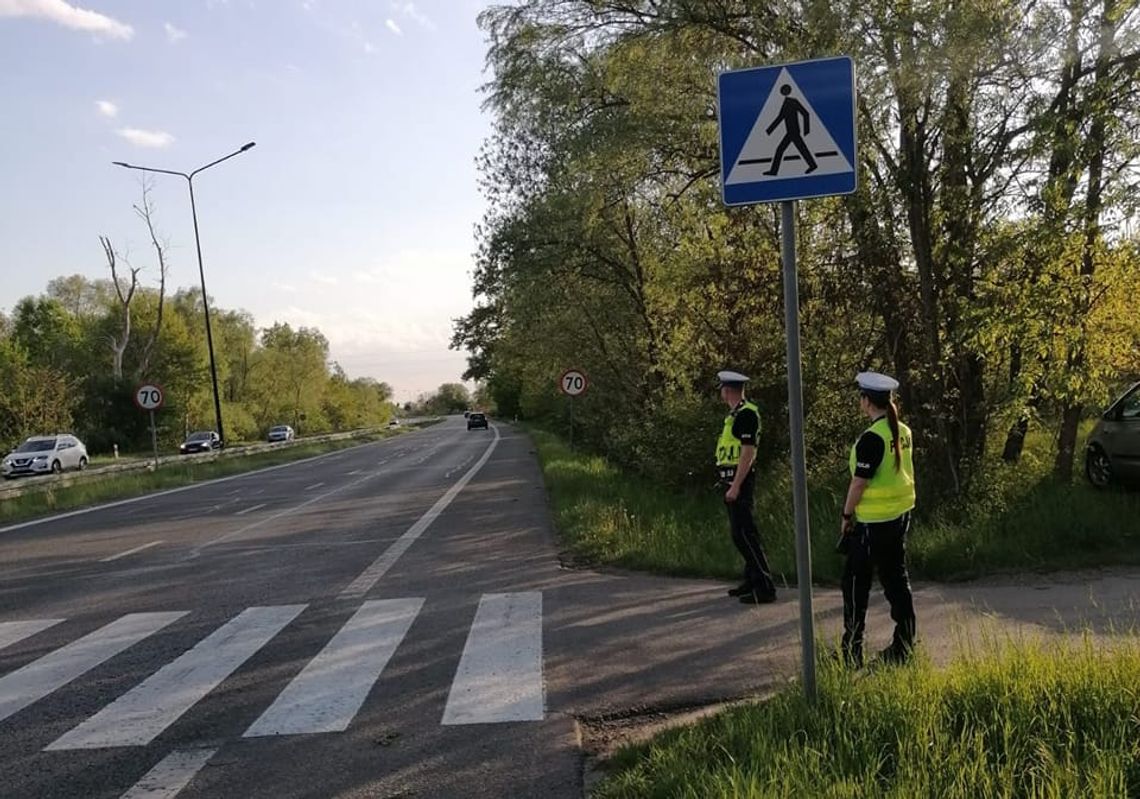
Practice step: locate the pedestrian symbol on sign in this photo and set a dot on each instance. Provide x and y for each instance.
(788, 140)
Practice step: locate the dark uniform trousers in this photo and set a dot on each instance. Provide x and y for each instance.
(878, 546)
(747, 538)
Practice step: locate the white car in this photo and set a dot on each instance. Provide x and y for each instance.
(281, 432)
(45, 454)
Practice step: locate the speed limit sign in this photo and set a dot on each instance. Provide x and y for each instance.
(149, 397)
(573, 383)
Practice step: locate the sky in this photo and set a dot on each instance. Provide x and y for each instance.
(355, 211)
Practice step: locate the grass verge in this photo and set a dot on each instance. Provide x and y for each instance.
(607, 517)
(133, 484)
(1019, 720)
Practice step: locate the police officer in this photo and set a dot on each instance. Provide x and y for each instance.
(876, 520)
(735, 457)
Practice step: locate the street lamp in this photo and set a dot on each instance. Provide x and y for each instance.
(201, 271)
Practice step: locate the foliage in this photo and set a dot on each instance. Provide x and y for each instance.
(57, 368)
(982, 260)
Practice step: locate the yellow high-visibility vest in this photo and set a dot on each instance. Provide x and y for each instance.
(890, 492)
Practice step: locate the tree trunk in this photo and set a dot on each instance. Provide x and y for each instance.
(1067, 442)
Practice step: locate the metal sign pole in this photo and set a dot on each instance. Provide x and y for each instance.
(154, 439)
(799, 458)
(571, 422)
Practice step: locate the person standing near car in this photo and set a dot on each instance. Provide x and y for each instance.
(876, 521)
(735, 459)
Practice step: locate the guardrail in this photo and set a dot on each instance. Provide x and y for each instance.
(40, 483)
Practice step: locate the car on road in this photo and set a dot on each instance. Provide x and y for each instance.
(1113, 450)
(394, 423)
(45, 455)
(201, 441)
(281, 432)
(477, 421)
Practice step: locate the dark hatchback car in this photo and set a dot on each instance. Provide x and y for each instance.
(1113, 452)
(203, 441)
(477, 421)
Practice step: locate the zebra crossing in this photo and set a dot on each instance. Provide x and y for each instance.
(499, 677)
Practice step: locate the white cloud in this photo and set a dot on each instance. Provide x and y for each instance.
(392, 26)
(323, 278)
(173, 34)
(147, 138)
(107, 108)
(410, 11)
(288, 288)
(369, 48)
(67, 15)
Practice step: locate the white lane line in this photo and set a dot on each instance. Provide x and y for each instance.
(173, 773)
(355, 472)
(137, 717)
(55, 670)
(327, 694)
(204, 484)
(314, 485)
(251, 509)
(12, 632)
(113, 558)
(377, 569)
(500, 672)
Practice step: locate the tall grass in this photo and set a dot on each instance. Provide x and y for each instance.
(1024, 521)
(1019, 720)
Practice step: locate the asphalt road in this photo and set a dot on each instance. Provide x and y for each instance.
(390, 620)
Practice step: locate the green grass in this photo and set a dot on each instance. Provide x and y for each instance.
(1026, 521)
(1016, 720)
(131, 484)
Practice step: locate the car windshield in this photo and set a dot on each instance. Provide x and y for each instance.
(199, 437)
(37, 445)
(278, 429)
(478, 416)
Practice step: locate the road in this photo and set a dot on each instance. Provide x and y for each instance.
(390, 620)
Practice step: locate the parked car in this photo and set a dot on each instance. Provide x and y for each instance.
(46, 454)
(1113, 451)
(202, 441)
(477, 420)
(281, 432)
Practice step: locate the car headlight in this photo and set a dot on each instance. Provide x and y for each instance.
(40, 458)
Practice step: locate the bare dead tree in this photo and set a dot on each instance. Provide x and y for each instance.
(145, 213)
(119, 342)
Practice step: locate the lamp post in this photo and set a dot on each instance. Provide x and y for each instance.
(201, 271)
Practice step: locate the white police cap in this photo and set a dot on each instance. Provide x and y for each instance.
(727, 377)
(873, 381)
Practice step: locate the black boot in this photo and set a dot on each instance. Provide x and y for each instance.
(740, 590)
(757, 597)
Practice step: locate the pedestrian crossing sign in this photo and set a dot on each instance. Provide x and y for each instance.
(787, 132)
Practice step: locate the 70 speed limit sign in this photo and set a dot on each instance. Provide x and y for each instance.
(573, 383)
(149, 397)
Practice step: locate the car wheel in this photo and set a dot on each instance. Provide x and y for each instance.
(1098, 468)
(82, 464)
(56, 467)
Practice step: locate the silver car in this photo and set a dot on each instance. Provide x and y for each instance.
(1114, 446)
(44, 455)
(281, 432)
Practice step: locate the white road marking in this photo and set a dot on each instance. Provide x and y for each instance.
(204, 484)
(327, 694)
(314, 485)
(55, 670)
(12, 632)
(251, 509)
(377, 569)
(130, 552)
(173, 773)
(137, 717)
(500, 673)
(355, 472)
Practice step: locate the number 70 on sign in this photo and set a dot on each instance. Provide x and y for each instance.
(573, 383)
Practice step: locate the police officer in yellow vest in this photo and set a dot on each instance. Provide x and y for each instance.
(735, 457)
(876, 520)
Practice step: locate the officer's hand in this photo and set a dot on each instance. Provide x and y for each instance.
(846, 526)
(732, 494)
